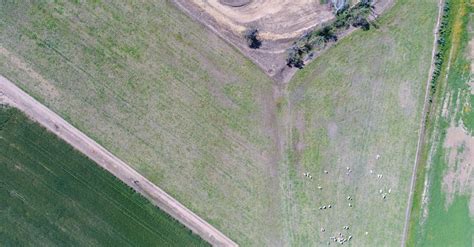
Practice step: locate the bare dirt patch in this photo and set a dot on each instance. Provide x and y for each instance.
(332, 130)
(280, 23)
(47, 86)
(235, 3)
(459, 177)
(275, 19)
(405, 98)
(300, 127)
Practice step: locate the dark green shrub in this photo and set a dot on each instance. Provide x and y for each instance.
(251, 35)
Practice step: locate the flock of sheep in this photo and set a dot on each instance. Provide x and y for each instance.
(340, 237)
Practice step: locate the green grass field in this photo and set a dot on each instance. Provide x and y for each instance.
(440, 221)
(360, 99)
(198, 119)
(160, 92)
(51, 195)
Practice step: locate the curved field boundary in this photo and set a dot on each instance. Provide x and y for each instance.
(14, 96)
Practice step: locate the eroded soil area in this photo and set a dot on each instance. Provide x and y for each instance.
(279, 22)
(459, 178)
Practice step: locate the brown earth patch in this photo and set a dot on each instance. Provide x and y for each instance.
(459, 177)
(275, 19)
(332, 130)
(235, 3)
(47, 86)
(405, 98)
(300, 127)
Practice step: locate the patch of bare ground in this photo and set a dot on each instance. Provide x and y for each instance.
(332, 130)
(275, 19)
(47, 86)
(459, 177)
(300, 126)
(405, 98)
(279, 22)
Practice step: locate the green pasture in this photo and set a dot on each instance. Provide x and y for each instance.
(199, 119)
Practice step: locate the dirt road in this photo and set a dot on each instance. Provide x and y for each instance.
(14, 96)
(421, 137)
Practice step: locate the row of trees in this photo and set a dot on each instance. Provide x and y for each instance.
(444, 33)
(357, 16)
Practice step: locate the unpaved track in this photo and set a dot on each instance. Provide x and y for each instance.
(14, 96)
(422, 129)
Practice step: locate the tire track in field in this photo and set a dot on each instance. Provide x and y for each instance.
(14, 96)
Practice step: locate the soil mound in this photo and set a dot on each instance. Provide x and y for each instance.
(235, 3)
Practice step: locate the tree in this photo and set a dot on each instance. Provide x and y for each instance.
(362, 22)
(251, 35)
(367, 3)
(295, 58)
(327, 33)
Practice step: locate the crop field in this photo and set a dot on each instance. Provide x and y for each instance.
(51, 195)
(443, 211)
(160, 92)
(199, 120)
(361, 99)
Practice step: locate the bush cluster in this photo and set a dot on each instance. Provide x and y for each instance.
(251, 35)
(357, 16)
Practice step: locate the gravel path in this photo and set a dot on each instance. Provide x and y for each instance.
(14, 96)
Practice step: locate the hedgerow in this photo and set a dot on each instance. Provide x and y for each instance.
(444, 32)
(356, 16)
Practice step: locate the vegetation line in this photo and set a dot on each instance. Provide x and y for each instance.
(346, 17)
(436, 62)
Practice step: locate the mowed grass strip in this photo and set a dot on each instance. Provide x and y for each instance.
(360, 99)
(162, 93)
(51, 195)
